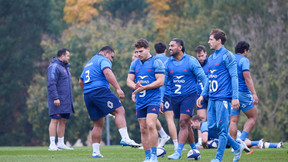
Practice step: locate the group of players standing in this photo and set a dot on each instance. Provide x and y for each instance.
(179, 77)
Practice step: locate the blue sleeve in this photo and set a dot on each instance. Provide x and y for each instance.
(197, 69)
(159, 67)
(205, 91)
(105, 64)
(132, 68)
(52, 79)
(245, 64)
(204, 127)
(231, 64)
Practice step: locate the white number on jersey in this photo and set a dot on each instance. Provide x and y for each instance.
(142, 93)
(177, 91)
(87, 78)
(213, 85)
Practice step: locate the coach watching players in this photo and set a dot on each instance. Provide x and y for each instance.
(60, 102)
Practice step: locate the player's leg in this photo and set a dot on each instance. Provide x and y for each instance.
(169, 116)
(96, 137)
(203, 115)
(52, 133)
(61, 132)
(151, 121)
(190, 138)
(163, 135)
(144, 137)
(249, 124)
(233, 126)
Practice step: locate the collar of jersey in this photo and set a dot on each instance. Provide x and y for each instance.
(160, 55)
(218, 52)
(184, 55)
(146, 60)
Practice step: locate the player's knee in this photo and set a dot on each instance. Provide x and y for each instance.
(184, 123)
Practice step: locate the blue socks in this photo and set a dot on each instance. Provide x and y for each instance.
(148, 153)
(154, 150)
(254, 143)
(180, 148)
(193, 146)
(244, 135)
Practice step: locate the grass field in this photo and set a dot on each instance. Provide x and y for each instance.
(124, 154)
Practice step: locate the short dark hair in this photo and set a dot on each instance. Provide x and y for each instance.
(106, 48)
(200, 48)
(160, 47)
(61, 52)
(196, 117)
(219, 34)
(241, 47)
(180, 42)
(141, 43)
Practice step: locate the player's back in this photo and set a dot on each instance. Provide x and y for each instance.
(92, 74)
(243, 64)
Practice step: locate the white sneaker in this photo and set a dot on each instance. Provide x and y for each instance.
(261, 144)
(246, 149)
(129, 142)
(94, 155)
(64, 147)
(163, 141)
(53, 148)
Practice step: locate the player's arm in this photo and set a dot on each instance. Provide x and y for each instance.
(81, 83)
(198, 70)
(249, 80)
(109, 75)
(159, 75)
(52, 79)
(231, 65)
(204, 139)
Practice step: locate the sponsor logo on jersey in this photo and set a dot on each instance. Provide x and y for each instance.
(110, 104)
(142, 77)
(177, 79)
(212, 71)
(89, 64)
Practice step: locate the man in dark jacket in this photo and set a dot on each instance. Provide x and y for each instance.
(60, 102)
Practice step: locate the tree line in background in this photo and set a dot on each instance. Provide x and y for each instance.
(32, 31)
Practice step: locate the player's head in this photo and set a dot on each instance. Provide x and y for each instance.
(108, 52)
(201, 53)
(195, 122)
(176, 46)
(217, 38)
(160, 47)
(242, 47)
(64, 55)
(134, 56)
(142, 49)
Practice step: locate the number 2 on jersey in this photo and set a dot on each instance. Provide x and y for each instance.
(177, 91)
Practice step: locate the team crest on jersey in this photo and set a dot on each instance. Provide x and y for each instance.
(136, 70)
(171, 71)
(217, 64)
(185, 69)
(149, 69)
(110, 104)
(64, 71)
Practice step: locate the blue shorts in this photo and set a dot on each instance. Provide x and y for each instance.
(246, 103)
(59, 116)
(183, 104)
(167, 103)
(149, 109)
(101, 102)
(204, 103)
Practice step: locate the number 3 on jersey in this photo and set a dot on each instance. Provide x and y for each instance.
(213, 85)
(87, 77)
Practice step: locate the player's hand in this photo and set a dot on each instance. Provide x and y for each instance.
(139, 89)
(120, 93)
(133, 97)
(161, 108)
(57, 102)
(199, 101)
(138, 84)
(256, 100)
(235, 104)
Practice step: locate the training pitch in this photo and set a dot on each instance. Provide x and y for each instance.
(124, 154)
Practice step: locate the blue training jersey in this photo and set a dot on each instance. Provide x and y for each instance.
(145, 72)
(92, 75)
(243, 64)
(182, 75)
(222, 76)
(206, 70)
(204, 128)
(164, 89)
